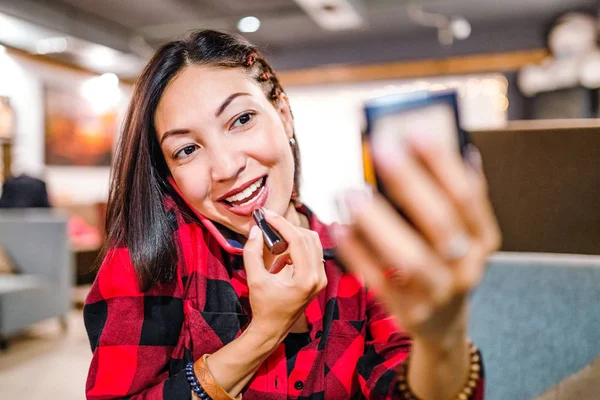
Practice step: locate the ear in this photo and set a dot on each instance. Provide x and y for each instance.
(285, 113)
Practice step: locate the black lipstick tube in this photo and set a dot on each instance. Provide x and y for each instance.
(275, 243)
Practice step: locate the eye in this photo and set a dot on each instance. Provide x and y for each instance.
(243, 120)
(186, 151)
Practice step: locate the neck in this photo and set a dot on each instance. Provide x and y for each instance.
(296, 219)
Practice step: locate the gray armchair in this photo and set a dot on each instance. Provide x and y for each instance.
(37, 241)
(536, 318)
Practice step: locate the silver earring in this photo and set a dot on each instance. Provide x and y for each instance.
(292, 142)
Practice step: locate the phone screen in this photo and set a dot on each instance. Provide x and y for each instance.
(392, 119)
(436, 119)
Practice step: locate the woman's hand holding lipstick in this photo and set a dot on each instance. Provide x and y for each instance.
(279, 299)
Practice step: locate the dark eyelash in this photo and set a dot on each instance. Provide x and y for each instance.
(178, 155)
(246, 114)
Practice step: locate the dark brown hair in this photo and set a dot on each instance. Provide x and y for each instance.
(136, 216)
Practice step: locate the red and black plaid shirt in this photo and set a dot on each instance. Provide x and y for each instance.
(142, 341)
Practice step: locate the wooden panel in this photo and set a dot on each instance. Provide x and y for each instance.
(545, 187)
(499, 62)
(42, 59)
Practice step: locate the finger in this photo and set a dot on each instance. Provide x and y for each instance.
(464, 183)
(418, 195)
(355, 256)
(477, 205)
(397, 243)
(315, 268)
(405, 297)
(449, 171)
(490, 234)
(301, 248)
(280, 263)
(473, 158)
(470, 270)
(253, 256)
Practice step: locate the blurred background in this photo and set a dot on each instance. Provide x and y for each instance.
(527, 73)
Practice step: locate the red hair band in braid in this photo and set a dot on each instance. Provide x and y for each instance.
(251, 59)
(265, 76)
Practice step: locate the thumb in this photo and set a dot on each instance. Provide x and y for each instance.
(253, 255)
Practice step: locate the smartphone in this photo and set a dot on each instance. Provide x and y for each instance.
(393, 118)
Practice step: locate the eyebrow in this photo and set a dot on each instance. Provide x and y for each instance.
(228, 101)
(224, 105)
(173, 132)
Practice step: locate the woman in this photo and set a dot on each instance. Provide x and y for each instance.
(172, 315)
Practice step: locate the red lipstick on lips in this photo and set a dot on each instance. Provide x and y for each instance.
(245, 209)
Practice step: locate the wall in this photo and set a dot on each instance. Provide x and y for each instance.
(22, 80)
(544, 184)
(328, 122)
(328, 127)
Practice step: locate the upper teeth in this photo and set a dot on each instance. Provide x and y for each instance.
(246, 192)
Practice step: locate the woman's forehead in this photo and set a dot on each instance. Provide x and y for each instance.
(203, 89)
(198, 81)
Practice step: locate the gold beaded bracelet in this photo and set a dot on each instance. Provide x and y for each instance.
(466, 392)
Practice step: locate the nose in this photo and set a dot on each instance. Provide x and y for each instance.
(226, 164)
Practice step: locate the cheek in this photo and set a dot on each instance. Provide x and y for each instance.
(193, 185)
(271, 146)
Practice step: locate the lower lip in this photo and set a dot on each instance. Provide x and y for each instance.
(246, 209)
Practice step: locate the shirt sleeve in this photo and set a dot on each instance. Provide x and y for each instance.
(133, 336)
(386, 348)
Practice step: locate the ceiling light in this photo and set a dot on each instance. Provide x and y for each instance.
(448, 28)
(248, 24)
(335, 15)
(461, 28)
(99, 57)
(51, 45)
(102, 92)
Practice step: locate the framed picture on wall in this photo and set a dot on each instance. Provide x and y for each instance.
(77, 133)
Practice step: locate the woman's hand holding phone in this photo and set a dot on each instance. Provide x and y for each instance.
(422, 270)
(279, 299)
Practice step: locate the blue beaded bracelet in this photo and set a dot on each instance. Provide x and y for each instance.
(193, 381)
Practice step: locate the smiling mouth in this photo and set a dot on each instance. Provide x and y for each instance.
(247, 195)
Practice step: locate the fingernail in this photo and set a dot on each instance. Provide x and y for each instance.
(342, 210)
(254, 231)
(269, 212)
(339, 232)
(357, 199)
(398, 275)
(473, 158)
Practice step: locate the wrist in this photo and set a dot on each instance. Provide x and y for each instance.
(443, 347)
(446, 331)
(264, 336)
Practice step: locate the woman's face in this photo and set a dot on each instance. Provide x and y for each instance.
(226, 145)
